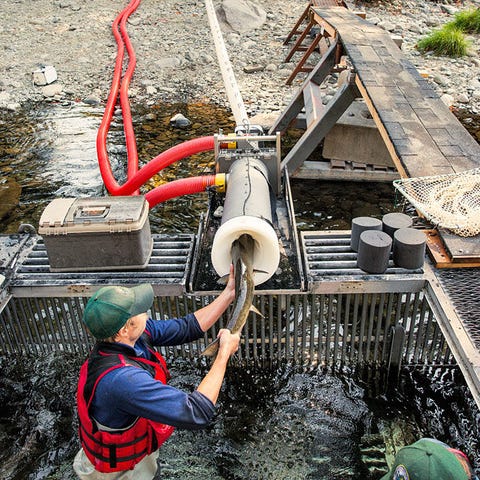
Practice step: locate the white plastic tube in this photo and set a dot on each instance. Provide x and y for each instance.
(266, 255)
(247, 209)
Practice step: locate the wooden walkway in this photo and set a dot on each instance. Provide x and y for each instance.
(421, 133)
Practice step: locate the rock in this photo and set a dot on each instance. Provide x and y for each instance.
(91, 100)
(388, 26)
(10, 192)
(447, 99)
(440, 80)
(52, 90)
(450, 9)
(462, 98)
(180, 121)
(243, 15)
(253, 68)
(168, 62)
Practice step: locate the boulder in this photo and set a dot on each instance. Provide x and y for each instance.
(10, 192)
(243, 15)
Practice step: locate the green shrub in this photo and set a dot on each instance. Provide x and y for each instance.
(468, 21)
(448, 41)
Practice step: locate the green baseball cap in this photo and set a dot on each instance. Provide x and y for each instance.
(429, 459)
(109, 308)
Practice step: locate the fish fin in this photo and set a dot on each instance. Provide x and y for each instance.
(255, 270)
(211, 349)
(255, 310)
(224, 279)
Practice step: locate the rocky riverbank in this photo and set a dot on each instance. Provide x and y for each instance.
(176, 54)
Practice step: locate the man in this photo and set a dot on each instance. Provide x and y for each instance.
(430, 459)
(126, 410)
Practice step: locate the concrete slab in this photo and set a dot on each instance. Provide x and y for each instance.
(355, 137)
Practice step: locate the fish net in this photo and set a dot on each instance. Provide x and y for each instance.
(449, 201)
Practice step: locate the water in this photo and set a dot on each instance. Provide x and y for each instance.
(271, 424)
(51, 153)
(278, 424)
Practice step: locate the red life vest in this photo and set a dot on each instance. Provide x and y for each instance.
(116, 451)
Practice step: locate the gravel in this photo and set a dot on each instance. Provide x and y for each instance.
(176, 58)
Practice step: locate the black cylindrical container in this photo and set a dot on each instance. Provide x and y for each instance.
(409, 248)
(361, 224)
(394, 221)
(374, 251)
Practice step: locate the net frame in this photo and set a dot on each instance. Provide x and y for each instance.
(450, 201)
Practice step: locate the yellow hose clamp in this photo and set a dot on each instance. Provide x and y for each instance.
(220, 182)
(228, 144)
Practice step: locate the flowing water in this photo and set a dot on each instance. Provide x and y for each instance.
(271, 424)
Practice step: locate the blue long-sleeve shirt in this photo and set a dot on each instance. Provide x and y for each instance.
(126, 393)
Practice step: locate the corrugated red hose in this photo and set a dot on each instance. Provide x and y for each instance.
(136, 178)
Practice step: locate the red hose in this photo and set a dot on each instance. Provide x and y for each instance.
(184, 186)
(136, 178)
(105, 167)
(161, 161)
(131, 143)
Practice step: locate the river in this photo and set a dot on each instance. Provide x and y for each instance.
(271, 424)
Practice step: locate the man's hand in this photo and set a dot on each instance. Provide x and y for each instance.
(228, 342)
(211, 384)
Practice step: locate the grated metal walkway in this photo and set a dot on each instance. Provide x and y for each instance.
(167, 270)
(453, 294)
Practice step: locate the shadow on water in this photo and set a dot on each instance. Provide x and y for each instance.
(271, 424)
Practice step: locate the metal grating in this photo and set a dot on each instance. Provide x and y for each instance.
(462, 285)
(307, 329)
(168, 267)
(338, 325)
(331, 265)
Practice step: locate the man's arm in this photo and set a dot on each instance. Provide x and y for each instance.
(212, 382)
(209, 314)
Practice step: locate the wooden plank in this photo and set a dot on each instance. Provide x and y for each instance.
(317, 131)
(296, 29)
(405, 107)
(299, 41)
(441, 257)
(300, 66)
(317, 75)
(313, 103)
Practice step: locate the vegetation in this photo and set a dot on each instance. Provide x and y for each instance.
(448, 41)
(468, 21)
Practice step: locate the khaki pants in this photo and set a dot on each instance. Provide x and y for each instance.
(144, 470)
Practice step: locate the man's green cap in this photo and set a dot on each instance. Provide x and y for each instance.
(426, 460)
(109, 308)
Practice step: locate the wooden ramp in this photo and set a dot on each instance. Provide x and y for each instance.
(420, 132)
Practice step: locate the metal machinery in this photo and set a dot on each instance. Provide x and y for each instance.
(255, 202)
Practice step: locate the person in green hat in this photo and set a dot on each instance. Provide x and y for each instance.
(430, 459)
(126, 409)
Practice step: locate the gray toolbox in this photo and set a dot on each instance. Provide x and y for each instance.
(98, 233)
